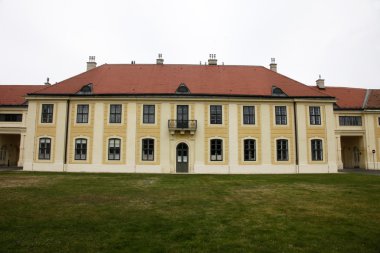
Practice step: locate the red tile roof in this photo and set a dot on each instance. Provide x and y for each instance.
(346, 98)
(140, 79)
(373, 101)
(14, 94)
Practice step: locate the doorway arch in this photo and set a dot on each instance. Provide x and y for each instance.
(182, 158)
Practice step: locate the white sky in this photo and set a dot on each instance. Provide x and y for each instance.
(339, 39)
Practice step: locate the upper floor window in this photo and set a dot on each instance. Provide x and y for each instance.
(82, 114)
(316, 150)
(282, 150)
(11, 117)
(249, 150)
(350, 120)
(47, 113)
(148, 114)
(315, 115)
(148, 149)
(216, 150)
(281, 115)
(115, 113)
(216, 114)
(114, 149)
(249, 115)
(80, 149)
(44, 149)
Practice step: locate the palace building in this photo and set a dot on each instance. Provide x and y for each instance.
(176, 118)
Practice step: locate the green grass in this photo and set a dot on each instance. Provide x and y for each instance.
(58, 212)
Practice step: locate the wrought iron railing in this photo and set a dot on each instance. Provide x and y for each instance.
(174, 124)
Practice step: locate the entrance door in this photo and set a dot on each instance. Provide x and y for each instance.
(182, 116)
(182, 158)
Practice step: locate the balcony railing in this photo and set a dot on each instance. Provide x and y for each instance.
(182, 126)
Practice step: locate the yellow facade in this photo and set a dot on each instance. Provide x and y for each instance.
(131, 131)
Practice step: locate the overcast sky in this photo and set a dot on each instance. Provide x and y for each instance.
(339, 39)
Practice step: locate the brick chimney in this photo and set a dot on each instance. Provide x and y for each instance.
(91, 64)
(212, 60)
(273, 65)
(320, 83)
(160, 60)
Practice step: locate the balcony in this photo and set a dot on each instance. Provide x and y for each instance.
(182, 126)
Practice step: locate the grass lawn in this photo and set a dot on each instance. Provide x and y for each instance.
(62, 212)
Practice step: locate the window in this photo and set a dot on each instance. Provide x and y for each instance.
(315, 115)
(86, 90)
(148, 114)
(148, 149)
(249, 150)
(11, 117)
(80, 149)
(82, 114)
(282, 150)
(47, 114)
(281, 117)
(316, 150)
(378, 120)
(350, 120)
(114, 149)
(248, 115)
(115, 114)
(215, 114)
(216, 150)
(182, 89)
(44, 149)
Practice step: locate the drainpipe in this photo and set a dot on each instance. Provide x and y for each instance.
(296, 134)
(66, 132)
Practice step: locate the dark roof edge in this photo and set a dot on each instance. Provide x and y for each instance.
(181, 95)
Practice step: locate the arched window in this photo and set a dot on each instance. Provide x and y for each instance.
(44, 149)
(114, 146)
(80, 149)
(182, 89)
(216, 150)
(147, 149)
(278, 92)
(249, 150)
(86, 90)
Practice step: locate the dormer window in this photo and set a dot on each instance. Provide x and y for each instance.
(278, 92)
(182, 89)
(86, 90)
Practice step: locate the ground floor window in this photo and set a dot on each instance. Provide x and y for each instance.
(282, 150)
(148, 149)
(114, 149)
(216, 150)
(316, 150)
(44, 149)
(80, 149)
(249, 150)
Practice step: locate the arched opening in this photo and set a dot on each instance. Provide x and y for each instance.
(182, 158)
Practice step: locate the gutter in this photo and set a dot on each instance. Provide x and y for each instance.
(296, 135)
(66, 133)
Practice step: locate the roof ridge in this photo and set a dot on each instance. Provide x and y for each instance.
(367, 94)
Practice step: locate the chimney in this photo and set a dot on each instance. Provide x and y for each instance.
(273, 65)
(47, 82)
(91, 64)
(212, 60)
(159, 60)
(320, 83)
